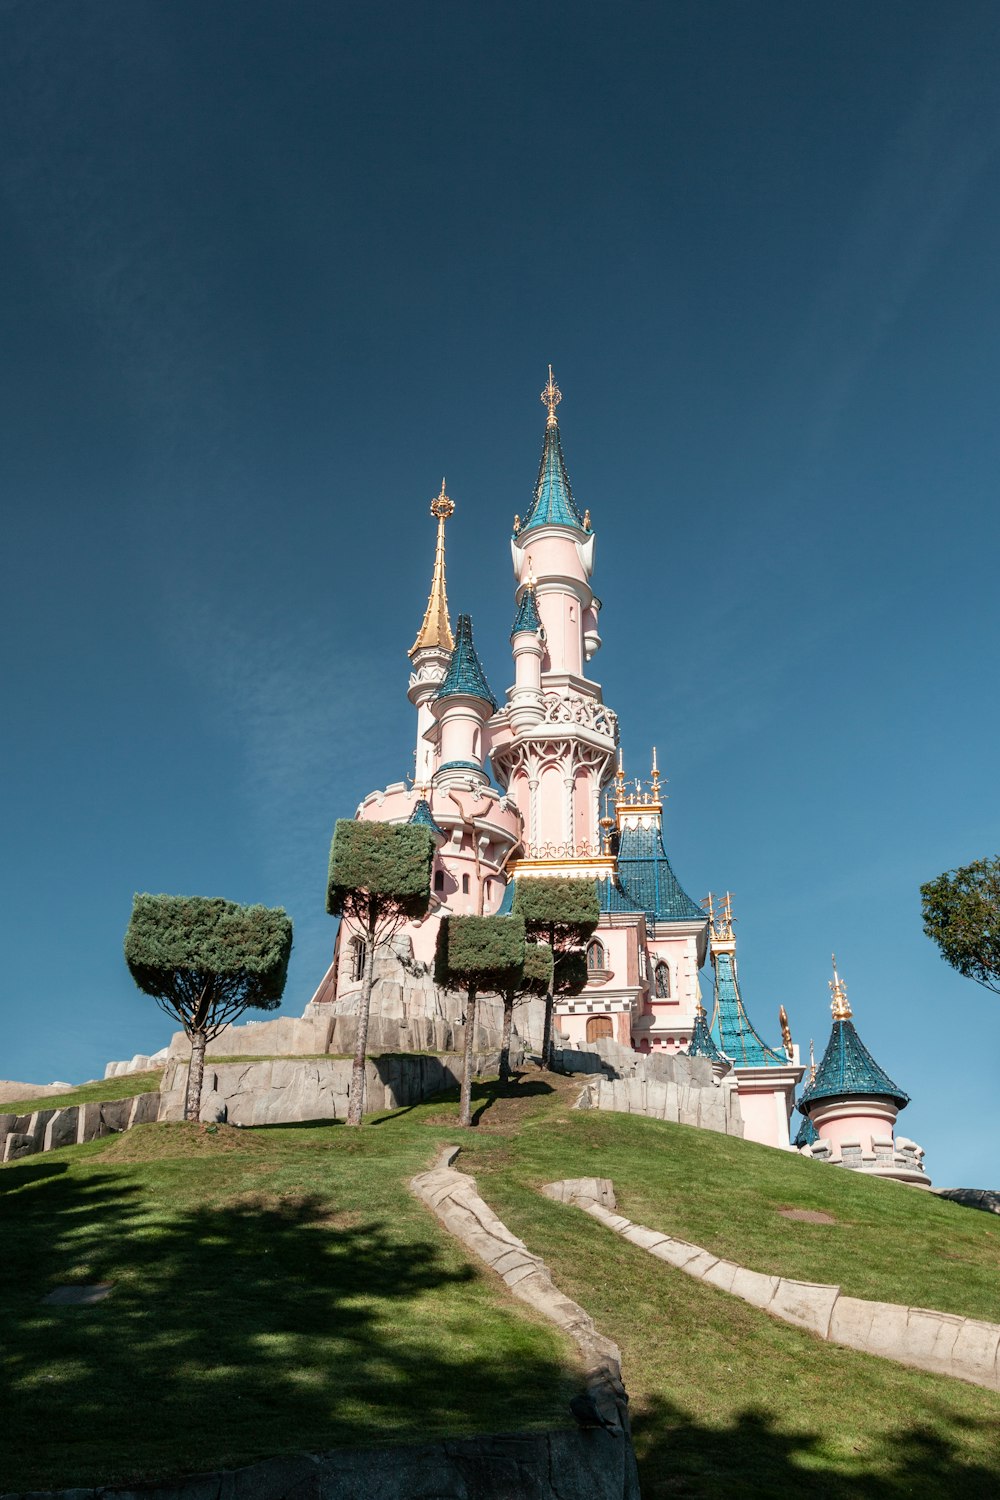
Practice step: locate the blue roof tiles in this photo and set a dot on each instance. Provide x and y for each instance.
(849, 1068)
(702, 1043)
(553, 503)
(465, 673)
(422, 815)
(527, 617)
(646, 874)
(732, 1029)
(807, 1134)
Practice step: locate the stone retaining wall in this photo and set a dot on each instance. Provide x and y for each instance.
(569, 1464)
(48, 1129)
(285, 1090)
(943, 1343)
(661, 1086)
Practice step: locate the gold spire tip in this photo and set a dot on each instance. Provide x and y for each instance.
(839, 1004)
(551, 397)
(441, 506)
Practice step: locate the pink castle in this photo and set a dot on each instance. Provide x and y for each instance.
(553, 747)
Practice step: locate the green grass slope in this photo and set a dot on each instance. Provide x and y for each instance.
(280, 1289)
(89, 1093)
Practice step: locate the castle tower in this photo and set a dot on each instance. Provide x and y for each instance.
(461, 707)
(431, 651)
(850, 1105)
(552, 744)
(766, 1078)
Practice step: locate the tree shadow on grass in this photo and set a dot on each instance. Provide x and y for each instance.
(756, 1458)
(260, 1326)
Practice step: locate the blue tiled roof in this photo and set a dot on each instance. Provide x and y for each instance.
(731, 1027)
(463, 765)
(612, 897)
(553, 503)
(465, 671)
(806, 1133)
(702, 1043)
(507, 904)
(422, 814)
(526, 617)
(849, 1068)
(651, 885)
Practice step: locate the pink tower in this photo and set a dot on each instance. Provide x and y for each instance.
(850, 1105)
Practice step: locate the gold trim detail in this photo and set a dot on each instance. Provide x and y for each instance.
(436, 627)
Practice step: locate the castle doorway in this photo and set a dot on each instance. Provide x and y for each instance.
(598, 1026)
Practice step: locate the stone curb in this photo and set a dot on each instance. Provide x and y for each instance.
(943, 1343)
(452, 1196)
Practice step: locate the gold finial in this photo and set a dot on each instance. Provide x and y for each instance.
(517, 524)
(620, 777)
(531, 573)
(436, 627)
(721, 919)
(839, 1005)
(812, 1062)
(607, 826)
(786, 1030)
(551, 397)
(654, 785)
(441, 506)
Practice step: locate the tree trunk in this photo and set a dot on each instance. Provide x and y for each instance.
(508, 1016)
(547, 1031)
(356, 1105)
(196, 1072)
(465, 1111)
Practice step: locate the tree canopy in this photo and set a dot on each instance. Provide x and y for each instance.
(205, 959)
(961, 911)
(379, 869)
(488, 953)
(567, 910)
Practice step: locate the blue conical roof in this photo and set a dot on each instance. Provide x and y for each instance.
(465, 673)
(648, 879)
(702, 1043)
(423, 816)
(553, 503)
(732, 1029)
(527, 617)
(807, 1134)
(849, 1068)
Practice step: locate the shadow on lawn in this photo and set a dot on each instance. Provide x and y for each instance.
(756, 1458)
(268, 1325)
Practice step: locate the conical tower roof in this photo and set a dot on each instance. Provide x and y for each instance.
(553, 503)
(847, 1067)
(527, 617)
(702, 1043)
(465, 675)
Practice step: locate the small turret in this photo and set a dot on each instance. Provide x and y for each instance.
(462, 705)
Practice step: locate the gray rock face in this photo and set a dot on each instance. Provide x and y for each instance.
(678, 1088)
(982, 1198)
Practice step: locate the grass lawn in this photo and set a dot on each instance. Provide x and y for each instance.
(279, 1289)
(89, 1093)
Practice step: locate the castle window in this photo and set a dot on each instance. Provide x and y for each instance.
(662, 975)
(439, 880)
(358, 949)
(595, 955)
(465, 885)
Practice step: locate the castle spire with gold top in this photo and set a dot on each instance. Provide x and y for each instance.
(552, 503)
(435, 631)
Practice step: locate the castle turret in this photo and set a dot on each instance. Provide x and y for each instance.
(851, 1104)
(553, 742)
(431, 651)
(461, 707)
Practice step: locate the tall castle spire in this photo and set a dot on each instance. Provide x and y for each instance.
(552, 503)
(436, 627)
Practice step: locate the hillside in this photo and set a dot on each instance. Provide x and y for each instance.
(280, 1289)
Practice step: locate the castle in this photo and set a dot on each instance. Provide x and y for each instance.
(554, 751)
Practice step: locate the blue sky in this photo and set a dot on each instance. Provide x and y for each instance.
(270, 270)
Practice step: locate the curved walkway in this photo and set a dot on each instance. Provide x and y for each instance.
(941, 1342)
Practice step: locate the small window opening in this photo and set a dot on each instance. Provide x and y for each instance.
(662, 982)
(439, 880)
(358, 949)
(465, 885)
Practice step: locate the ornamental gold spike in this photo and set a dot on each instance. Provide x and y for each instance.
(786, 1030)
(839, 1005)
(551, 397)
(436, 627)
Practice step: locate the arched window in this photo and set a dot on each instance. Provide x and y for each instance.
(595, 954)
(662, 977)
(358, 949)
(439, 880)
(465, 885)
(598, 1026)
